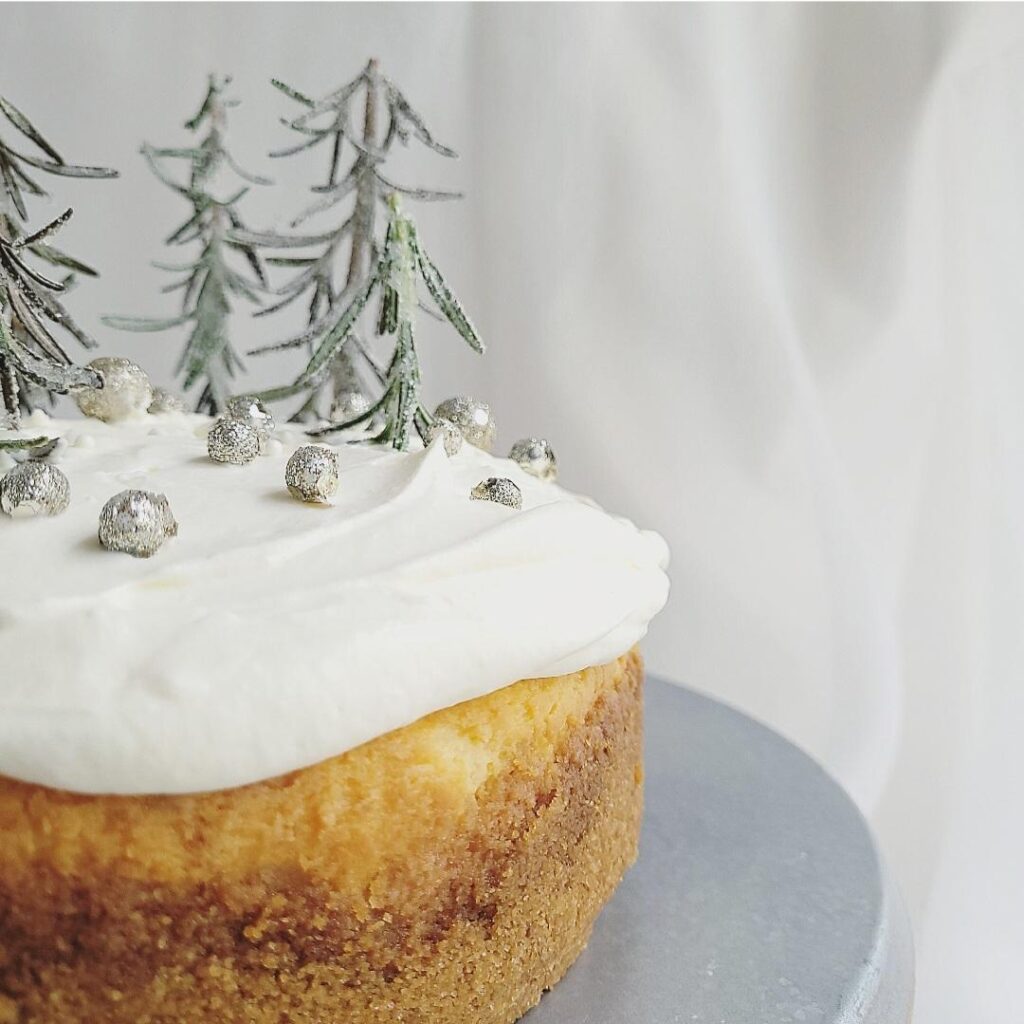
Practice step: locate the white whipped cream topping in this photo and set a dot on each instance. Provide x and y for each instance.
(270, 635)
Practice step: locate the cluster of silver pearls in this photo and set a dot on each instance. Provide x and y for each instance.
(312, 474)
(449, 431)
(34, 488)
(233, 441)
(498, 489)
(473, 419)
(136, 523)
(535, 456)
(126, 390)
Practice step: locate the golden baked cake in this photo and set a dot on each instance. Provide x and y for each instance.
(449, 871)
(283, 770)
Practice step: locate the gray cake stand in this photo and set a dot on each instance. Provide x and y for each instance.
(759, 896)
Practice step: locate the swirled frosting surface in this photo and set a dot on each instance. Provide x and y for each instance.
(270, 635)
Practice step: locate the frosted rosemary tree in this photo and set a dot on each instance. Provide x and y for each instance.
(402, 262)
(33, 363)
(208, 282)
(328, 280)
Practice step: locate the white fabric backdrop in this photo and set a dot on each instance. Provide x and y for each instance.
(757, 271)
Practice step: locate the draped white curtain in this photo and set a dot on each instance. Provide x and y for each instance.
(757, 272)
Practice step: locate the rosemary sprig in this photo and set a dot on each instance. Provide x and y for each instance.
(20, 444)
(402, 262)
(33, 365)
(210, 281)
(29, 352)
(324, 282)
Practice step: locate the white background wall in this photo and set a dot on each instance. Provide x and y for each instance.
(757, 272)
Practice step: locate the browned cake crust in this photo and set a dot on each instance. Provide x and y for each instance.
(446, 873)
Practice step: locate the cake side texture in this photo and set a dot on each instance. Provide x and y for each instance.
(446, 872)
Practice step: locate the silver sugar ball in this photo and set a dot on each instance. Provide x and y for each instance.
(34, 489)
(126, 390)
(349, 405)
(499, 489)
(535, 456)
(449, 431)
(137, 523)
(312, 474)
(165, 401)
(252, 411)
(473, 418)
(233, 441)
